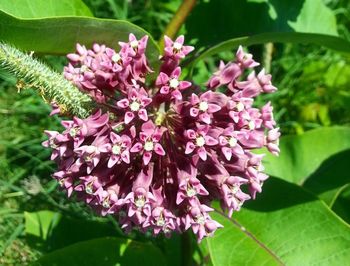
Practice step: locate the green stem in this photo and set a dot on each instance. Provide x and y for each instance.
(177, 20)
(186, 247)
(52, 86)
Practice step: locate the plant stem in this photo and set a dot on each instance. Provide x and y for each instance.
(177, 20)
(186, 248)
(267, 56)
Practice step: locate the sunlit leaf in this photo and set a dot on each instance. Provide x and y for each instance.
(47, 8)
(301, 155)
(231, 19)
(58, 35)
(284, 226)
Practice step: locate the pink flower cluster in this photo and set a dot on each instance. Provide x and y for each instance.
(157, 153)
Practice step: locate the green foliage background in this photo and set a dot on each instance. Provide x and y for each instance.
(302, 216)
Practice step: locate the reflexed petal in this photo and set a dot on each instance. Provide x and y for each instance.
(202, 153)
(194, 112)
(137, 147)
(227, 153)
(165, 90)
(189, 148)
(147, 156)
(159, 149)
(143, 114)
(212, 108)
(123, 103)
(112, 161)
(177, 95)
(126, 156)
(184, 85)
(210, 140)
(191, 134)
(129, 116)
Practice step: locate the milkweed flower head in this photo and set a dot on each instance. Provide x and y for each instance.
(156, 154)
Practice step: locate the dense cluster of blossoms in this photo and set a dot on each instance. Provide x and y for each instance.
(156, 154)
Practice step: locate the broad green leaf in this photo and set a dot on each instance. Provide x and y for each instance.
(342, 203)
(301, 155)
(328, 41)
(231, 19)
(58, 35)
(284, 226)
(45, 8)
(50, 230)
(105, 252)
(330, 178)
(229, 24)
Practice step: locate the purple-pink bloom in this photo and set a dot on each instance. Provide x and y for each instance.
(149, 142)
(155, 154)
(199, 139)
(176, 49)
(171, 84)
(135, 104)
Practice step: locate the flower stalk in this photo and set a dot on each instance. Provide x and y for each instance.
(176, 22)
(52, 86)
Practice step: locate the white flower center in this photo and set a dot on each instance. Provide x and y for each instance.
(135, 106)
(200, 219)
(148, 146)
(260, 168)
(52, 144)
(88, 188)
(191, 192)
(140, 202)
(160, 222)
(134, 44)
(177, 46)
(105, 203)
(83, 68)
(234, 189)
(174, 83)
(232, 142)
(240, 106)
(116, 149)
(251, 125)
(116, 58)
(73, 131)
(61, 181)
(203, 106)
(200, 141)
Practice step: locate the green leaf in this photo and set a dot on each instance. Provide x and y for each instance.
(285, 225)
(50, 230)
(342, 203)
(58, 35)
(231, 19)
(229, 24)
(302, 155)
(330, 178)
(47, 8)
(105, 252)
(39, 224)
(328, 41)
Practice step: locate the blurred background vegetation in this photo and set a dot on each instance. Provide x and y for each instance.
(313, 92)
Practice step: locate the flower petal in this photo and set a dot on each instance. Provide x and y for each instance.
(129, 116)
(137, 147)
(202, 153)
(159, 149)
(189, 148)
